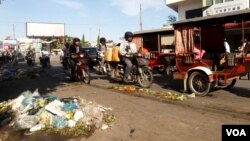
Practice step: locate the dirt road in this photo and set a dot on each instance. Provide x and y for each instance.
(137, 118)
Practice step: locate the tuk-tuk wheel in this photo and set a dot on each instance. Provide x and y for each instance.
(230, 83)
(199, 84)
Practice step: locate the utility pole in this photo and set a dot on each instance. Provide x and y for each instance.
(141, 24)
(14, 36)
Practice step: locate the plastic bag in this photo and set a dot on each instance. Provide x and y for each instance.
(59, 122)
(55, 108)
(16, 104)
(38, 127)
(93, 115)
(30, 98)
(69, 106)
(78, 115)
(26, 122)
(72, 123)
(46, 117)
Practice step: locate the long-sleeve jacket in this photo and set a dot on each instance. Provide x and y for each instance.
(127, 49)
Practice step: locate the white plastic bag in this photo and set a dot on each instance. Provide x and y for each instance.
(78, 115)
(26, 122)
(55, 108)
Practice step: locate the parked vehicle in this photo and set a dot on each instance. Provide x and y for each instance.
(140, 73)
(92, 55)
(216, 67)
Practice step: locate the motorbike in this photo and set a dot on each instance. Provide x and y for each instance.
(65, 63)
(45, 60)
(100, 68)
(140, 73)
(30, 59)
(82, 72)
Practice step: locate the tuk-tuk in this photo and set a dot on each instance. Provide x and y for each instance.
(211, 65)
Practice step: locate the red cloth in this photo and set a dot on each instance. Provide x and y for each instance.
(199, 52)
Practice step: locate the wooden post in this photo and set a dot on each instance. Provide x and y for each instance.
(159, 43)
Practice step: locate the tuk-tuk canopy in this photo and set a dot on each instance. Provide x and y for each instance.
(211, 30)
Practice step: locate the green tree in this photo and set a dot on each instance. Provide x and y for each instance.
(85, 43)
(170, 20)
(83, 39)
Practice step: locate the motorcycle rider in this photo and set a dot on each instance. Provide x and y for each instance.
(44, 52)
(74, 49)
(31, 53)
(101, 51)
(127, 50)
(65, 54)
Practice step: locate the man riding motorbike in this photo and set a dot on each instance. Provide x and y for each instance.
(127, 50)
(74, 49)
(65, 55)
(101, 50)
(44, 57)
(30, 56)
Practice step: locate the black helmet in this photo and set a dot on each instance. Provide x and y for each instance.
(103, 39)
(76, 40)
(128, 34)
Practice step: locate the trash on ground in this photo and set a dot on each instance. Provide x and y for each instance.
(159, 95)
(72, 117)
(170, 95)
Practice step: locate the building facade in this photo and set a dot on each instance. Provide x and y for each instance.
(188, 9)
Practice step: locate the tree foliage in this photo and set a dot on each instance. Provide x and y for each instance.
(171, 19)
(84, 42)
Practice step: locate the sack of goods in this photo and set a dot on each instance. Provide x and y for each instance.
(108, 55)
(115, 56)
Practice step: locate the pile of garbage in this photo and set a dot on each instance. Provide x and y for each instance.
(72, 117)
(159, 95)
(16, 73)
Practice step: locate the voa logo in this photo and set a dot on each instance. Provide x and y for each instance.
(236, 132)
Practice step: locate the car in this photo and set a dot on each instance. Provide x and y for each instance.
(92, 54)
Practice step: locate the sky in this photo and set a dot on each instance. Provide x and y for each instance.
(112, 17)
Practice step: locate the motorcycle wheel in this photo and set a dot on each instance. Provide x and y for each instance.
(44, 63)
(86, 77)
(29, 62)
(145, 78)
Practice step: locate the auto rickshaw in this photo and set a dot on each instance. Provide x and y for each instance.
(215, 67)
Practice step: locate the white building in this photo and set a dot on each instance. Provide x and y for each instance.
(197, 8)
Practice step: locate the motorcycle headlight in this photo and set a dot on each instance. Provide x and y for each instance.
(81, 55)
